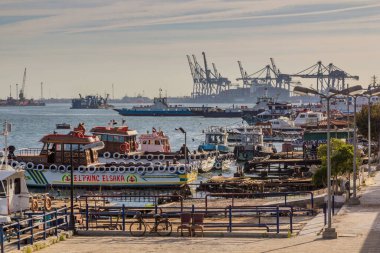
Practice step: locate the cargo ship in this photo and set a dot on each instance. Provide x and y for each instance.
(90, 102)
(160, 107)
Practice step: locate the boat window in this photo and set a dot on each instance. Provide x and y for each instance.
(67, 147)
(302, 116)
(3, 189)
(157, 142)
(144, 142)
(313, 116)
(58, 147)
(75, 147)
(17, 186)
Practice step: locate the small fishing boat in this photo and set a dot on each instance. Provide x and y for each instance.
(14, 195)
(52, 164)
(123, 145)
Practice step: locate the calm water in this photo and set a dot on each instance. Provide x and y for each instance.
(30, 124)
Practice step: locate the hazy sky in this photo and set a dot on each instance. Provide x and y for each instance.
(141, 45)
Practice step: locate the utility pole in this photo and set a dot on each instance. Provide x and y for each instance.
(113, 94)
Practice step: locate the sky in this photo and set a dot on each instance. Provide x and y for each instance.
(140, 46)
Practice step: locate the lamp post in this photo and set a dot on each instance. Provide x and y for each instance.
(180, 129)
(359, 93)
(369, 94)
(329, 232)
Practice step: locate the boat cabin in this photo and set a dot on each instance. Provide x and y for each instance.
(14, 195)
(308, 118)
(61, 148)
(154, 142)
(119, 139)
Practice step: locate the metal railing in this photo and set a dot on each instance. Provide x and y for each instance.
(36, 226)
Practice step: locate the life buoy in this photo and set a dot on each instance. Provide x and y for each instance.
(162, 168)
(149, 169)
(181, 169)
(107, 154)
(53, 168)
(34, 205)
(30, 165)
(62, 168)
(121, 169)
(132, 169)
(47, 203)
(161, 157)
(82, 168)
(140, 170)
(116, 155)
(172, 169)
(136, 157)
(125, 147)
(112, 169)
(149, 157)
(40, 167)
(125, 156)
(91, 169)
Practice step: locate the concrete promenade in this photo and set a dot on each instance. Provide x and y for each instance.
(358, 230)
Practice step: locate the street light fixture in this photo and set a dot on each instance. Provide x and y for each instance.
(369, 94)
(329, 232)
(180, 129)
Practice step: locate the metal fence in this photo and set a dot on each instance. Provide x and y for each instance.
(35, 227)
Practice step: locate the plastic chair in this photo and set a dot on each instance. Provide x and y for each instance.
(197, 223)
(185, 223)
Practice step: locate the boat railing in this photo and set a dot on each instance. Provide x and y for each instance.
(29, 151)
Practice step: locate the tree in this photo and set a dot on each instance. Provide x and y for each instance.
(342, 156)
(362, 121)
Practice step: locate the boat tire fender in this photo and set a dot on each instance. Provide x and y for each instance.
(62, 168)
(140, 170)
(116, 155)
(132, 169)
(81, 168)
(107, 155)
(181, 169)
(53, 168)
(30, 165)
(149, 169)
(112, 169)
(136, 157)
(40, 167)
(149, 157)
(121, 169)
(161, 157)
(91, 169)
(172, 169)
